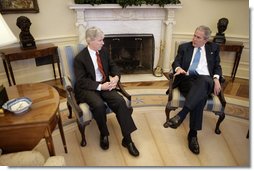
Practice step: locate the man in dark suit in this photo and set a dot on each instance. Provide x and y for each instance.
(196, 80)
(92, 67)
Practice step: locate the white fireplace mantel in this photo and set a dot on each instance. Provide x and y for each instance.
(113, 19)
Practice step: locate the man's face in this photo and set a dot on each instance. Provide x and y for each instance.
(97, 43)
(199, 39)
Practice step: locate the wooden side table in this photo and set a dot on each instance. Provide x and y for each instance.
(24, 131)
(236, 47)
(16, 53)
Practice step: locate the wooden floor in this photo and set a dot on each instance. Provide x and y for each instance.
(161, 146)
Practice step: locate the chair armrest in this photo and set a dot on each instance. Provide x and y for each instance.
(222, 98)
(221, 94)
(170, 87)
(72, 101)
(67, 82)
(71, 97)
(222, 80)
(121, 89)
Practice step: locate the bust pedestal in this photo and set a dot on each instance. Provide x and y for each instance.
(27, 44)
(219, 38)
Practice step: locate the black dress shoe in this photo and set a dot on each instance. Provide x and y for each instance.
(104, 142)
(193, 144)
(131, 148)
(175, 121)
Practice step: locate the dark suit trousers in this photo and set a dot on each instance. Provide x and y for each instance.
(96, 99)
(196, 91)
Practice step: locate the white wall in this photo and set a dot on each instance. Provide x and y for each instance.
(56, 23)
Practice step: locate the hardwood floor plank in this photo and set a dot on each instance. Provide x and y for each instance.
(243, 91)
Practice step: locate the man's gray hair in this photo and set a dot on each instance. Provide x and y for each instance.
(206, 30)
(92, 33)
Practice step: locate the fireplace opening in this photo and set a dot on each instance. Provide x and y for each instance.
(133, 53)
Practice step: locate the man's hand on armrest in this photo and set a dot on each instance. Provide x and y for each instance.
(179, 70)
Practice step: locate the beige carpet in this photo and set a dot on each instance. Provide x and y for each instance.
(156, 97)
(141, 78)
(158, 146)
(143, 97)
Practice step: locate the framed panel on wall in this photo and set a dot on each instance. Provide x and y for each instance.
(18, 6)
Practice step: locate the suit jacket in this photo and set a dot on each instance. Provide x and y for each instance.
(184, 56)
(85, 72)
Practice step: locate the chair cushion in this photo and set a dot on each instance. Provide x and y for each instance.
(87, 114)
(213, 102)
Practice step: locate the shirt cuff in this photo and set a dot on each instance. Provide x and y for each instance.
(216, 76)
(177, 68)
(99, 87)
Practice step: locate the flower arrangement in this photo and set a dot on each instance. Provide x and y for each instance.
(125, 3)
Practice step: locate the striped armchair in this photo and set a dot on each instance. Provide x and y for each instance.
(215, 104)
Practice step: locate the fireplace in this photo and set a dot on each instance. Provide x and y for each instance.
(146, 20)
(133, 53)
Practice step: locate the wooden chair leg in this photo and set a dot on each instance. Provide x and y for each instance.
(82, 128)
(220, 119)
(167, 112)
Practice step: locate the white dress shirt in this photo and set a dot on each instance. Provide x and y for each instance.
(202, 68)
(98, 75)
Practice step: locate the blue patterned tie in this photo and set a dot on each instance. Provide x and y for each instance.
(194, 65)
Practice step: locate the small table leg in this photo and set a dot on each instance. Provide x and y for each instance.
(53, 65)
(7, 73)
(11, 72)
(60, 125)
(59, 69)
(49, 142)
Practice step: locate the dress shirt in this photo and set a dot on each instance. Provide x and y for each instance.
(98, 75)
(202, 68)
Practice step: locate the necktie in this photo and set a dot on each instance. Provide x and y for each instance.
(100, 67)
(194, 65)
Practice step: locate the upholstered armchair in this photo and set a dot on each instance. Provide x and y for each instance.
(82, 112)
(215, 104)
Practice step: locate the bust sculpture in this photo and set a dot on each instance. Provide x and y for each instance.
(220, 35)
(26, 39)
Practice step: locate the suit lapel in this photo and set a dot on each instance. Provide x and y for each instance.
(189, 53)
(89, 65)
(209, 57)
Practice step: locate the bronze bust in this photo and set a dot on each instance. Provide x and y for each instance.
(26, 39)
(221, 26)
